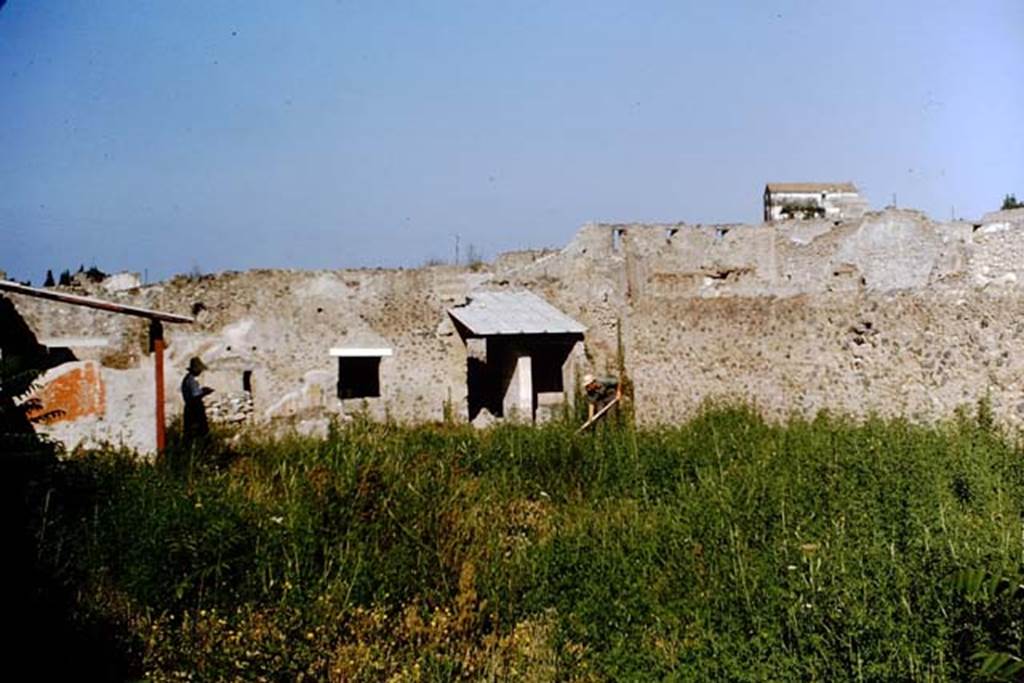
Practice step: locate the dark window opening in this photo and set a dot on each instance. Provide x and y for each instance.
(359, 377)
(802, 211)
(617, 234)
(247, 381)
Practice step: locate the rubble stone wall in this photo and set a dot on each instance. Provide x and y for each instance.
(890, 313)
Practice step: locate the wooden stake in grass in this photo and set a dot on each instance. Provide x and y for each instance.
(598, 415)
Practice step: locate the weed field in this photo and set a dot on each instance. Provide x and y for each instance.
(726, 548)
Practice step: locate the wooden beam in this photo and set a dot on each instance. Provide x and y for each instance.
(598, 415)
(92, 302)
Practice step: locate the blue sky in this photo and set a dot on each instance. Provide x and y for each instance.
(166, 136)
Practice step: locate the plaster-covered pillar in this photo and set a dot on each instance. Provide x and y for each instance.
(573, 360)
(476, 348)
(518, 401)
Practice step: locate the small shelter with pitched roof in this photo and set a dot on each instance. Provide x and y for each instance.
(522, 354)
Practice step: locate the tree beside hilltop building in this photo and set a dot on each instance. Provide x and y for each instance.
(1010, 202)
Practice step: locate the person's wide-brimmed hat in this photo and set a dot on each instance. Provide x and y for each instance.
(196, 365)
(587, 379)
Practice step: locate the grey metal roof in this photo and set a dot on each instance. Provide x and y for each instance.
(492, 313)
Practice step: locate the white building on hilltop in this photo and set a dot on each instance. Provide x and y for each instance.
(784, 201)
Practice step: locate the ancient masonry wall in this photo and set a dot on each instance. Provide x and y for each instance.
(279, 326)
(891, 313)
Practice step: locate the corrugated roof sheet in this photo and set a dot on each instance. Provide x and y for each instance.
(495, 313)
(91, 302)
(811, 187)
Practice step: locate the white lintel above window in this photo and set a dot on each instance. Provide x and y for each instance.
(360, 352)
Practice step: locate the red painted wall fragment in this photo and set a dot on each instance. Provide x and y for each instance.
(76, 390)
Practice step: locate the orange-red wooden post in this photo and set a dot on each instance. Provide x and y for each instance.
(156, 333)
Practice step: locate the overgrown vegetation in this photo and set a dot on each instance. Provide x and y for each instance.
(93, 274)
(723, 549)
(41, 607)
(20, 409)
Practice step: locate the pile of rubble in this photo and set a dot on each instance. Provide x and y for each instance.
(230, 408)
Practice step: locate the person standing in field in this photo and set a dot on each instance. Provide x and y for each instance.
(600, 392)
(196, 426)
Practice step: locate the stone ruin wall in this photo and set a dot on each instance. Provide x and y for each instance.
(891, 313)
(280, 326)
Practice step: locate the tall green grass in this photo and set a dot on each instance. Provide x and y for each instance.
(726, 548)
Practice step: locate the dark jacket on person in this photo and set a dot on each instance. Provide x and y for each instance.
(195, 423)
(601, 390)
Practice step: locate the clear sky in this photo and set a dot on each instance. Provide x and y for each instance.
(162, 136)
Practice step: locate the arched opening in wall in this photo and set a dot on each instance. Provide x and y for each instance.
(669, 234)
(617, 234)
